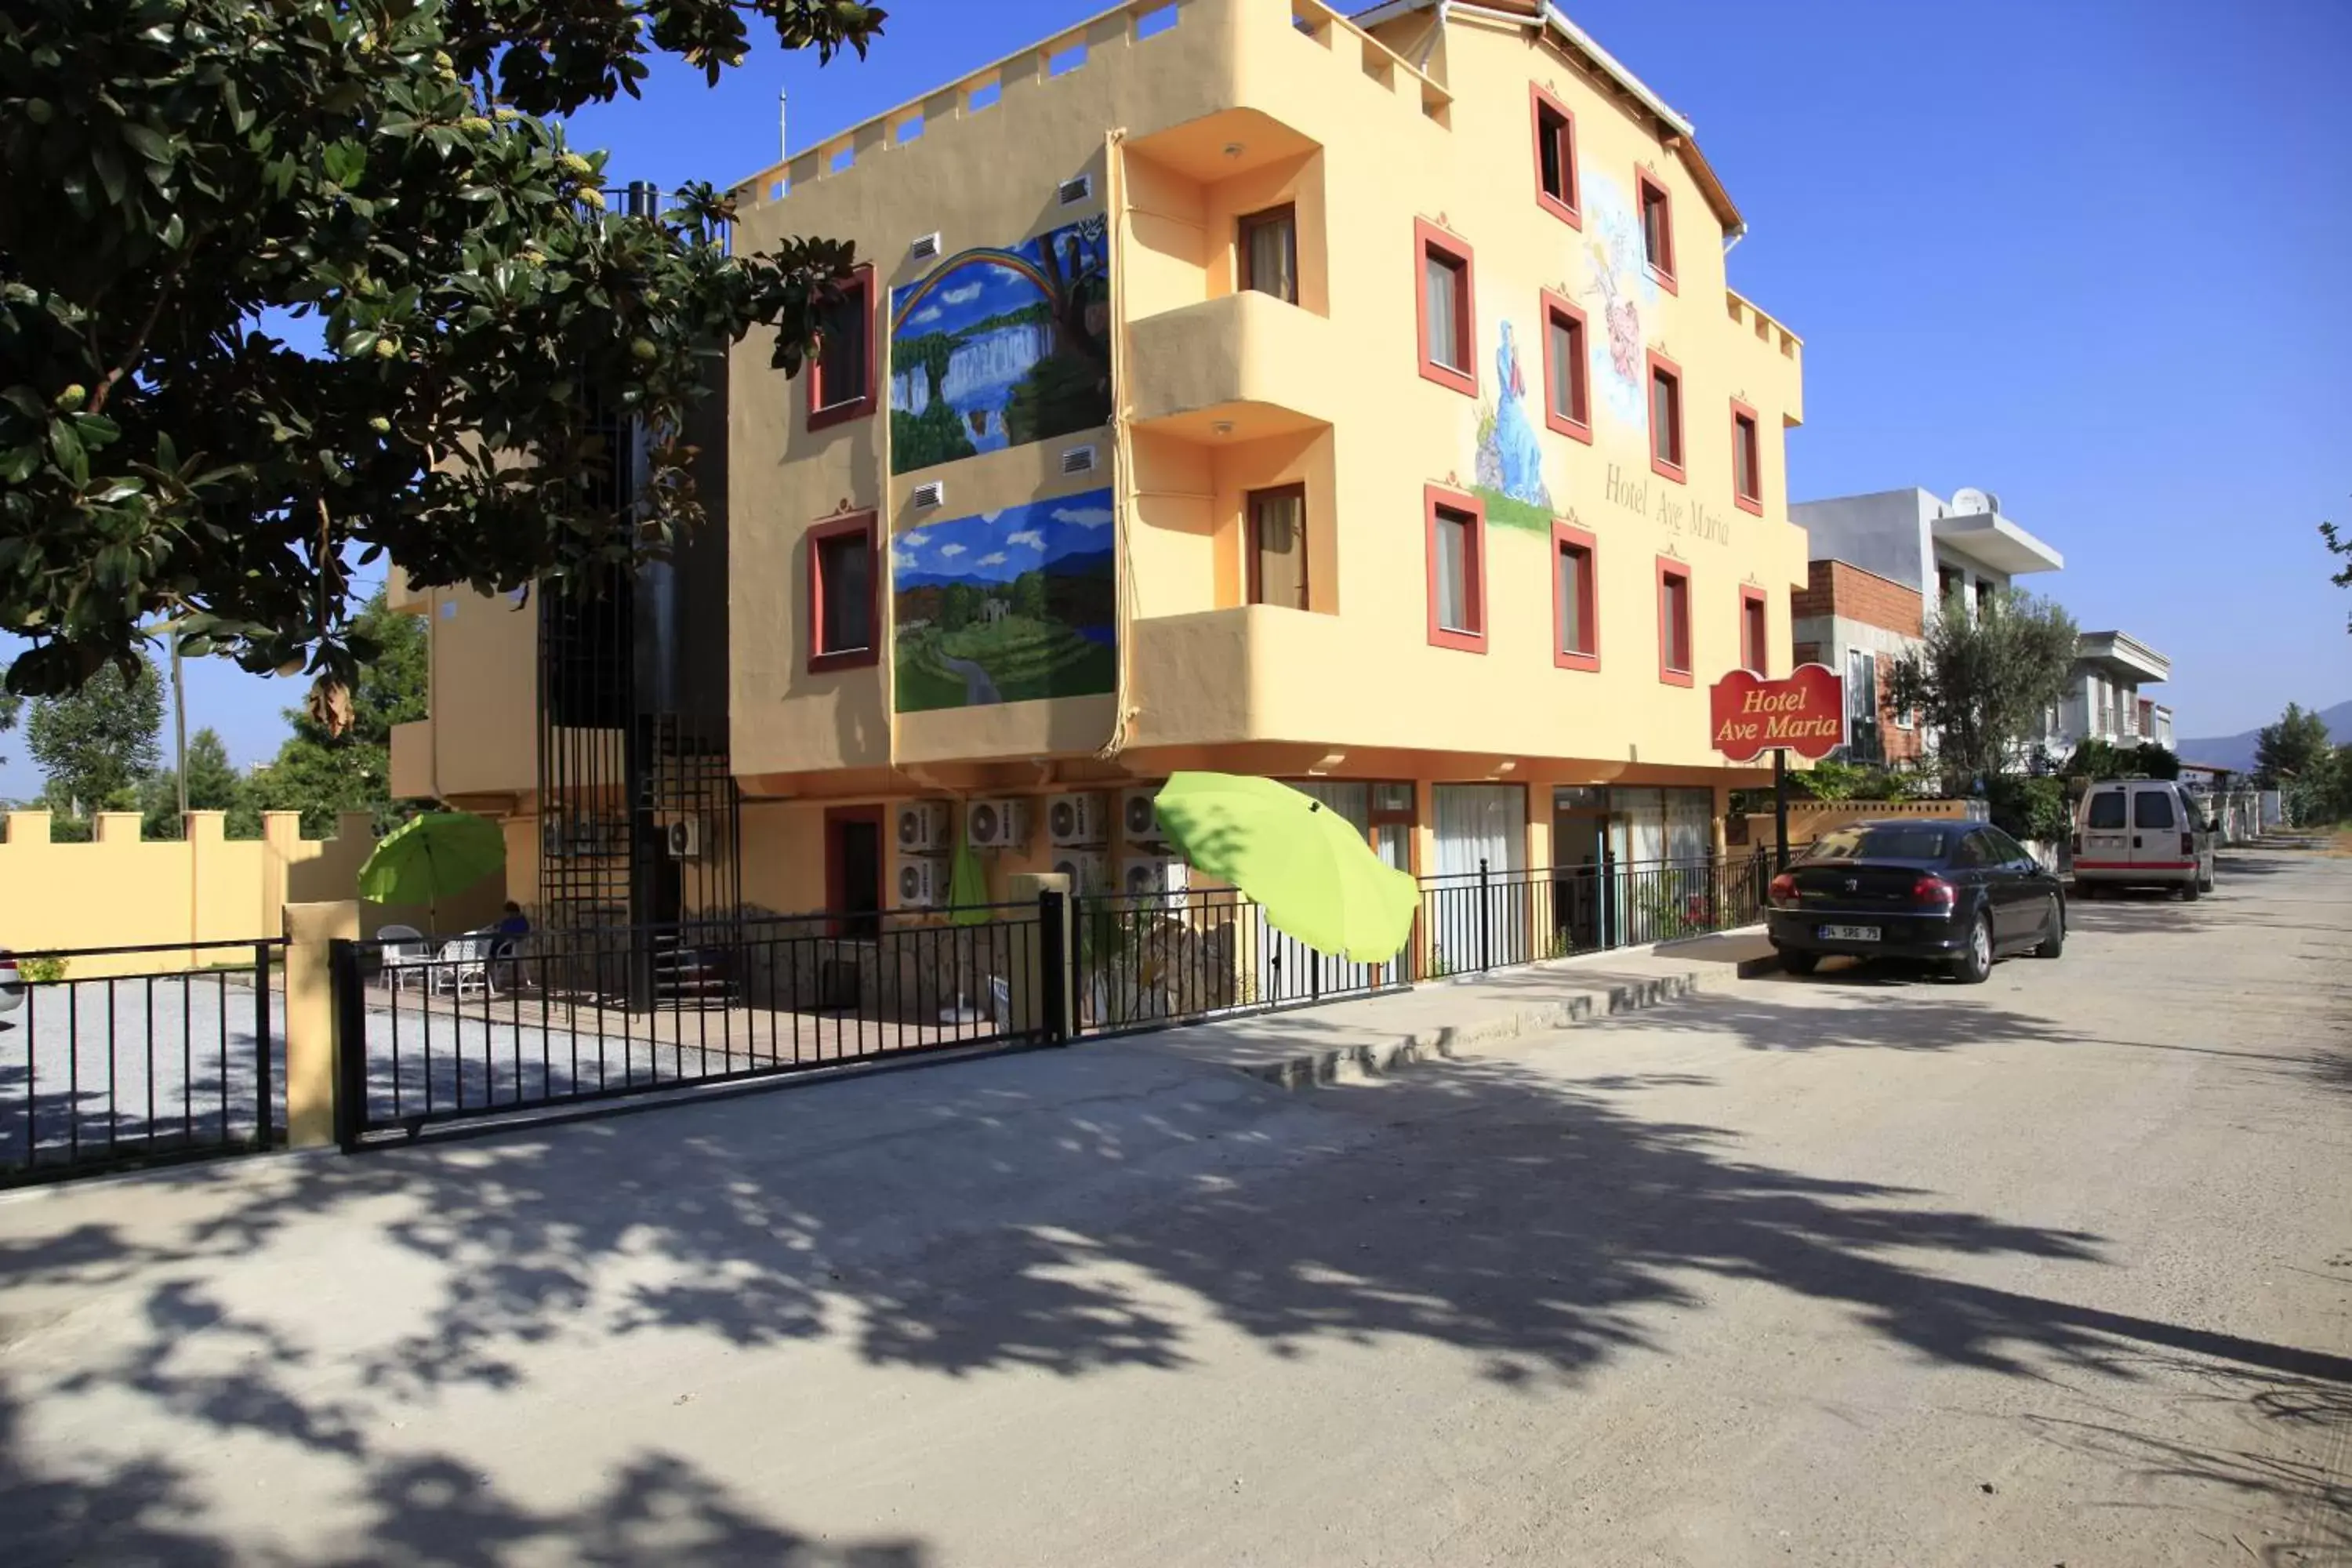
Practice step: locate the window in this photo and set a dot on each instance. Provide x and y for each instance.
(1568, 387)
(841, 593)
(1674, 621)
(2106, 810)
(1985, 593)
(1269, 246)
(1861, 706)
(841, 377)
(1576, 607)
(1754, 644)
(1747, 459)
(1446, 325)
(1555, 157)
(1657, 229)
(1458, 570)
(1665, 416)
(2152, 808)
(1277, 547)
(1948, 585)
(2007, 851)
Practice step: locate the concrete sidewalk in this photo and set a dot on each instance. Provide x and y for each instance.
(1333, 1041)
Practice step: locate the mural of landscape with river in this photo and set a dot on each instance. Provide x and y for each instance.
(997, 347)
(1006, 606)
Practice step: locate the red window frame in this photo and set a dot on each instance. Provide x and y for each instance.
(1748, 435)
(822, 413)
(820, 657)
(1647, 185)
(1569, 210)
(1433, 499)
(1670, 673)
(1428, 239)
(1565, 538)
(1559, 309)
(1755, 631)
(1659, 463)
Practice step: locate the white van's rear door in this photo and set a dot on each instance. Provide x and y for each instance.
(2106, 829)
(2157, 826)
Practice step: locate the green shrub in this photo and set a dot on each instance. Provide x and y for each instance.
(2028, 808)
(41, 970)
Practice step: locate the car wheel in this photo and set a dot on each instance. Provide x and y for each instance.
(2204, 884)
(2189, 890)
(1799, 963)
(2054, 929)
(1976, 964)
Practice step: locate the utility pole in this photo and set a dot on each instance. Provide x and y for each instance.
(783, 142)
(179, 728)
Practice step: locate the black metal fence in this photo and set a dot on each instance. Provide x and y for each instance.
(486, 1024)
(102, 1070)
(1490, 918)
(1143, 961)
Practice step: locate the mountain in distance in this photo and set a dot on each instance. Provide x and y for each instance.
(2237, 752)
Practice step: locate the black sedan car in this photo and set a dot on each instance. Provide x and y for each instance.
(1958, 893)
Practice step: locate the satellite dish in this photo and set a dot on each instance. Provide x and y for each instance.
(1971, 501)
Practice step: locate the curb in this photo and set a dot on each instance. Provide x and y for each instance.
(1311, 1069)
(1749, 968)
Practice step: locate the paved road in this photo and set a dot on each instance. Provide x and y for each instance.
(2054, 1269)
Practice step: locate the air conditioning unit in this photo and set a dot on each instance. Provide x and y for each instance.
(997, 824)
(917, 882)
(1078, 821)
(1072, 192)
(924, 827)
(1138, 816)
(1078, 460)
(931, 493)
(1088, 870)
(924, 248)
(685, 836)
(1149, 878)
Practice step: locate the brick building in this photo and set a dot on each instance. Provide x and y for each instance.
(1857, 623)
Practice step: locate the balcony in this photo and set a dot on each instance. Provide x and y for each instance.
(412, 760)
(1234, 368)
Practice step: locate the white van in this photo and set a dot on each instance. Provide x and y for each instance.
(2141, 833)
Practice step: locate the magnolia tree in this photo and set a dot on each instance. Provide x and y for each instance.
(1981, 683)
(180, 173)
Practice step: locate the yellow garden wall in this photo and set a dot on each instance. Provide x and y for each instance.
(120, 890)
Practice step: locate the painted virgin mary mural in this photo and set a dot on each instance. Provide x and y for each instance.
(1509, 468)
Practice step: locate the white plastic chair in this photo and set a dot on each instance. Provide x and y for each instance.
(463, 963)
(406, 954)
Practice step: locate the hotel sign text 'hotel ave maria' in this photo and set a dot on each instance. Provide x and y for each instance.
(1804, 712)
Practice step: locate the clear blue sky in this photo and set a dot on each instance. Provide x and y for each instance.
(2090, 256)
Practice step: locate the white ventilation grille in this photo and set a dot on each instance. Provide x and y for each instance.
(931, 493)
(924, 248)
(1072, 192)
(1078, 460)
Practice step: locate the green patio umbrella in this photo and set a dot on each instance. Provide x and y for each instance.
(431, 857)
(1307, 867)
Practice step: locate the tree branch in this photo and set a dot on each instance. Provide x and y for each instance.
(139, 341)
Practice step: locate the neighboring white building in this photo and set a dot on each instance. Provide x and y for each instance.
(1939, 547)
(2104, 702)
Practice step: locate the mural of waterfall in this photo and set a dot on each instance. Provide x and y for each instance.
(999, 347)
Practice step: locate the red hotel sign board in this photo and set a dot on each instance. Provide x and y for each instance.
(1805, 712)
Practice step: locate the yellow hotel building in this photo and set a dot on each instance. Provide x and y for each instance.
(1230, 385)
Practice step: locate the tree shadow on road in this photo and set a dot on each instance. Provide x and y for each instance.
(1064, 1214)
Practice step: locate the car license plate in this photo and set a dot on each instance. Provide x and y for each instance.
(1848, 934)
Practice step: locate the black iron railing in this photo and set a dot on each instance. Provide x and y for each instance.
(1146, 960)
(1489, 919)
(100, 1070)
(487, 1024)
